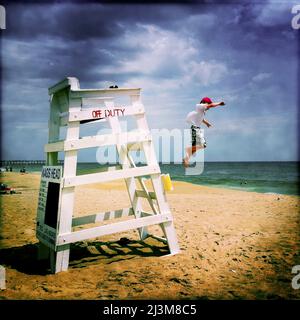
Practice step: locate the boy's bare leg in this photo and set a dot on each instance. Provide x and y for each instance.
(189, 152)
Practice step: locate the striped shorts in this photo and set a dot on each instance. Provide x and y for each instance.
(198, 137)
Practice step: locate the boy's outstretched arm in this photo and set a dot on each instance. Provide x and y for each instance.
(206, 123)
(215, 104)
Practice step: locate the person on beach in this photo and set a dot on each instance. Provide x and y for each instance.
(195, 119)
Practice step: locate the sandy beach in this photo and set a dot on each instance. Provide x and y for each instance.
(234, 245)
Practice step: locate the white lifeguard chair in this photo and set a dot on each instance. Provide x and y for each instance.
(71, 106)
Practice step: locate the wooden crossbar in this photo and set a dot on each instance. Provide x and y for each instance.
(143, 194)
(55, 146)
(117, 227)
(131, 137)
(94, 102)
(97, 93)
(110, 175)
(102, 216)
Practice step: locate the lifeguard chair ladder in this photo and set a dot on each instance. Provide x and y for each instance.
(71, 106)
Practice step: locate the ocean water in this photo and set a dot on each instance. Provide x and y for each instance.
(264, 177)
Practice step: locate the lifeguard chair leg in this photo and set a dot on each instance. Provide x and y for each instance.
(44, 252)
(61, 260)
(167, 227)
(163, 207)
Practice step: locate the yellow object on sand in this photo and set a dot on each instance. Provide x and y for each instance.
(167, 182)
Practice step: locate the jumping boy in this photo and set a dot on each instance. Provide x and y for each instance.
(195, 118)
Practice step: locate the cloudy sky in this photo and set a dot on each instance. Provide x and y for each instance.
(243, 52)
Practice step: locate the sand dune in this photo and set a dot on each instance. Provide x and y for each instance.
(234, 245)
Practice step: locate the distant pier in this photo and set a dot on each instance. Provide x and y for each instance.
(7, 163)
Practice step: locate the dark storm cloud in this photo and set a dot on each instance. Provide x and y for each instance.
(49, 62)
(242, 28)
(63, 21)
(60, 40)
(82, 22)
(89, 33)
(250, 39)
(73, 20)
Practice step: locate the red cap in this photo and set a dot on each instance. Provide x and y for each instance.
(206, 100)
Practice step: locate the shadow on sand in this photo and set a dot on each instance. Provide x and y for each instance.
(24, 258)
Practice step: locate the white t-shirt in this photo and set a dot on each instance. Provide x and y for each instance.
(196, 117)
